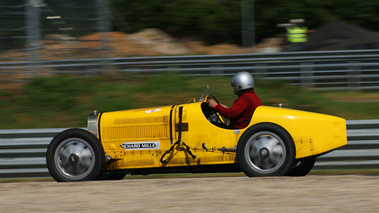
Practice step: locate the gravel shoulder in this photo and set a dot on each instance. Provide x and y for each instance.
(313, 193)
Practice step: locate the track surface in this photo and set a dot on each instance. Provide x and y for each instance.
(313, 193)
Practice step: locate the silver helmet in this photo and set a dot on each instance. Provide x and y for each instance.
(242, 81)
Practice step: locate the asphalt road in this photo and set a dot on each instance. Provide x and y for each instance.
(313, 193)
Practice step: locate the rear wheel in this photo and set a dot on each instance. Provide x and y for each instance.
(265, 150)
(75, 155)
(302, 166)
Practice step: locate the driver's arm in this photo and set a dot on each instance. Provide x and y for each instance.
(212, 103)
(230, 113)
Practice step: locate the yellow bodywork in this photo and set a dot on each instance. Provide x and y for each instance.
(142, 138)
(312, 133)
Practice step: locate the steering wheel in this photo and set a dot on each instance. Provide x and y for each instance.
(214, 98)
(215, 113)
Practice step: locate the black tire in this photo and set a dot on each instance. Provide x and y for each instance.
(112, 175)
(302, 167)
(265, 149)
(75, 155)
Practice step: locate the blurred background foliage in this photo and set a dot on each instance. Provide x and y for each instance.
(216, 21)
(212, 21)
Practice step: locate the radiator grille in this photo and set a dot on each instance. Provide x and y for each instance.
(159, 119)
(135, 132)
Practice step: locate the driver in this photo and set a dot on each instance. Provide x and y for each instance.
(244, 106)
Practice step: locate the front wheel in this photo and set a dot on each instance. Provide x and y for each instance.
(265, 150)
(75, 155)
(112, 175)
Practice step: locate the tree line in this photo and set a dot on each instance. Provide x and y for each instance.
(212, 21)
(215, 21)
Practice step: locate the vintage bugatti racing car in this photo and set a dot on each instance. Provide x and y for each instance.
(192, 137)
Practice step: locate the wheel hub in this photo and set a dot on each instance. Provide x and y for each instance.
(74, 158)
(264, 153)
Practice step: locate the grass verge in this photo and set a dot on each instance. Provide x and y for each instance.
(64, 101)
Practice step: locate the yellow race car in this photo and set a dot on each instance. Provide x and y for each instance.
(192, 137)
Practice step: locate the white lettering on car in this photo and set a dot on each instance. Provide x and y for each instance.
(152, 110)
(141, 145)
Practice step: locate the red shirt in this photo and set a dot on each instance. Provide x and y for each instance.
(241, 111)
